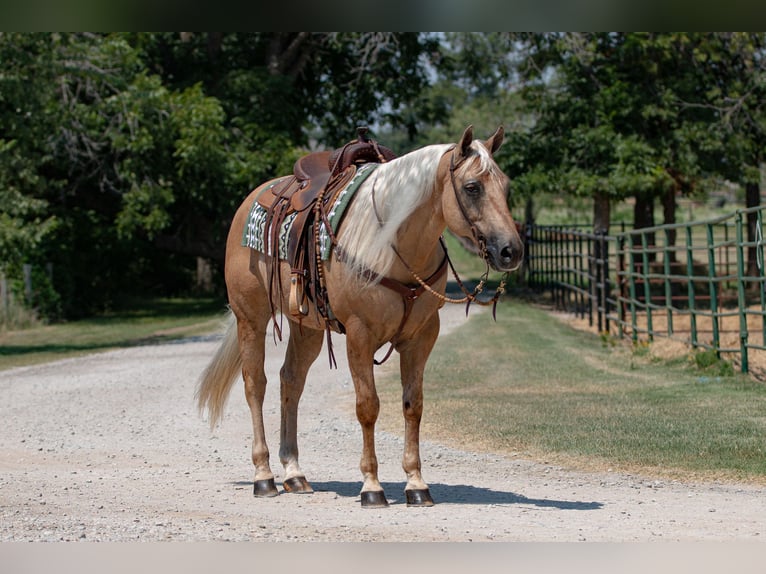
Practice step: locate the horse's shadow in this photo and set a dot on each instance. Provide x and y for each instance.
(455, 494)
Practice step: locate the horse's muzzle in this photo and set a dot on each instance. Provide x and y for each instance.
(504, 255)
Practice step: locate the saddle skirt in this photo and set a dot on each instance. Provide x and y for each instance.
(257, 233)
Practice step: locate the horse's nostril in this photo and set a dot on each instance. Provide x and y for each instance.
(506, 253)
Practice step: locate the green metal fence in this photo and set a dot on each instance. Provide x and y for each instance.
(701, 282)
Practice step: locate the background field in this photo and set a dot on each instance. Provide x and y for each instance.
(140, 323)
(532, 386)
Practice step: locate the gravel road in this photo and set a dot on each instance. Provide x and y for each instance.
(110, 448)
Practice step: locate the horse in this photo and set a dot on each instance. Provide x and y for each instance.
(389, 240)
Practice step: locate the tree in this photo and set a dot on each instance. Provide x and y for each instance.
(732, 67)
(611, 120)
(127, 154)
(26, 224)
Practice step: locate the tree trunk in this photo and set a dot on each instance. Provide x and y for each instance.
(204, 283)
(669, 217)
(601, 213)
(643, 216)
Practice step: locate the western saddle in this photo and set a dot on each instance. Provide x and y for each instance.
(317, 180)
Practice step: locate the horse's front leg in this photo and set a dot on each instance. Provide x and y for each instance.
(413, 356)
(360, 350)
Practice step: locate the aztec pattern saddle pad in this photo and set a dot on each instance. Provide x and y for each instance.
(257, 236)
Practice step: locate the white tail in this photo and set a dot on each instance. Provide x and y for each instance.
(219, 376)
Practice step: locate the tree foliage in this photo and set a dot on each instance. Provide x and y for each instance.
(123, 156)
(637, 114)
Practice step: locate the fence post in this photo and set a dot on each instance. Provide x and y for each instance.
(632, 286)
(592, 280)
(529, 241)
(690, 285)
(565, 279)
(758, 252)
(604, 283)
(546, 263)
(741, 295)
(594, 264)
(713, 288)
(583, 274)
(647, 286)
(668, 286)
(558, 269)
(621, 284)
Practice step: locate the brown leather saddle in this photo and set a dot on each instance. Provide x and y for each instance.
(316, 181)
(324, 171)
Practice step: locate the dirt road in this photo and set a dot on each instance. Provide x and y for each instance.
(110, 447)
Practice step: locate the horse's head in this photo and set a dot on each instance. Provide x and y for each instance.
(475, 202)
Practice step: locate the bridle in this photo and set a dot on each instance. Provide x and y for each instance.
(468, 296)
(408, 293)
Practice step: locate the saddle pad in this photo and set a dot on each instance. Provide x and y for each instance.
(256, 236)
(338, 209)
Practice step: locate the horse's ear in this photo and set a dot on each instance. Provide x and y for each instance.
(493, 143)
(465, 143)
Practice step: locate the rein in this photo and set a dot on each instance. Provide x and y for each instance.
(468, 296)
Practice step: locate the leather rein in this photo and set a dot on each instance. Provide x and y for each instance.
(409, 294)
(468, 296)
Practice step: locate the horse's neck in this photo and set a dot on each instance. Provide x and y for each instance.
(417, 240)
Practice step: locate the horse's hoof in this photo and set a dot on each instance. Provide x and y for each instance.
(265, 488)
(374, 499)
(419, 497)
(297, 485)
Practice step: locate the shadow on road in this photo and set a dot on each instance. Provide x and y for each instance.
(456, 494)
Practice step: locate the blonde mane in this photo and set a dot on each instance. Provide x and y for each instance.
(400, 185)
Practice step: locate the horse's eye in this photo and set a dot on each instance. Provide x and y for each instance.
(472, 188)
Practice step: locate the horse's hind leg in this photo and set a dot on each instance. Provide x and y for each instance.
(302, 350)
(252, 349)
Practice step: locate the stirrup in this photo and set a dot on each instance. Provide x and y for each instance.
(297, 300)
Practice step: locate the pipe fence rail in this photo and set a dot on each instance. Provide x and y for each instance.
(702, 282)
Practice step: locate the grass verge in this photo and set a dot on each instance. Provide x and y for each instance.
(530, 385)
(142, 323)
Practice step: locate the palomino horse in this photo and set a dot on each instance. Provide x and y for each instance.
(388, 240)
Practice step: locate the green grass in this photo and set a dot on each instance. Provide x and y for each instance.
(142, 323)
(532, 385)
